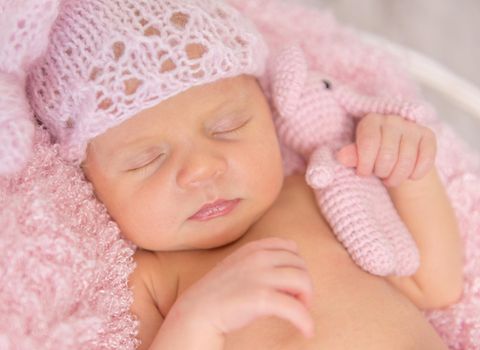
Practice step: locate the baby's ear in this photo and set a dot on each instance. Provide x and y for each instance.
(24, 36)
(288, 76)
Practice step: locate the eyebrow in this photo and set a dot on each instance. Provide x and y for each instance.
(115, 156)
(226, 103)
(125, 146)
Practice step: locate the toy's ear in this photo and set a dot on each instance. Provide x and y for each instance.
(288, 76)
(24, 31)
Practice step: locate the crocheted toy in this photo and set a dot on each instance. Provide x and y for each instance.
(22, 41)
(316, 118)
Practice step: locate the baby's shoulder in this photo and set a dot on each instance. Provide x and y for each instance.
(153, 279)
(296, 193)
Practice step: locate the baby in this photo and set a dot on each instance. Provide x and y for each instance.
(161, 105)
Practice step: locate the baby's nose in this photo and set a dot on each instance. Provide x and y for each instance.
(201, 168)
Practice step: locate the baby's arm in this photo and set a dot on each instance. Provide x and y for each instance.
(402, 153)
(266, 277)
(154, 330)
(425, 208)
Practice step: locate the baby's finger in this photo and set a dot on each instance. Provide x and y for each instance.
(347, 155)
(388, 154)
(368, 137)
(426, 155)
(261, 247)
(407, 158)
(288, 308)
(292, 281)
(275, 258)
(270, 243)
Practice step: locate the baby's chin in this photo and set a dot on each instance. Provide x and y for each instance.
(217, 240)
(228, 235)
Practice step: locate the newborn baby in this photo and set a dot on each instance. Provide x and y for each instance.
(197, 182)
(161, 105)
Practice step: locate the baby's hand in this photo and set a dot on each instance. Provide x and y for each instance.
(262, 278)
(393, 148)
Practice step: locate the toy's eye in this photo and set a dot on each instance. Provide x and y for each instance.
(327, 83)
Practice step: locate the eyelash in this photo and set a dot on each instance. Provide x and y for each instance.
(144, 167)
(147, 165)
(233, 131)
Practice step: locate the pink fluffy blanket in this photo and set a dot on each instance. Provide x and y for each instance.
(64, 266)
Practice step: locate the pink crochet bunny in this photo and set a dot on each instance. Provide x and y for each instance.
(24, 29)
(315, 118)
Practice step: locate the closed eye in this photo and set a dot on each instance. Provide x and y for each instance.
(147, 164)
(234, 130)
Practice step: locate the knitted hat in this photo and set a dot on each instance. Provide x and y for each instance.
(109, 59)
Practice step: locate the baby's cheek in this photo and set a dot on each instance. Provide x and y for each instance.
(268, 173)
(140, 221)
(133, 219)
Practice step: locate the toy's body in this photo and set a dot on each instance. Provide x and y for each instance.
(315, 118)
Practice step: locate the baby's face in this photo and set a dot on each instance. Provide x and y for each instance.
(154, 171)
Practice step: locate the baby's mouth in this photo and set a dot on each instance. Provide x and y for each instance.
(215, 209)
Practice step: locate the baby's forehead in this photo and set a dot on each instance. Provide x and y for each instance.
(207, 99)
(206, 103)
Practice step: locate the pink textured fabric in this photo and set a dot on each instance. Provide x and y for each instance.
(64, 267)
(24, 29)
(77, 296)
(109, 59)
(315, 118)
